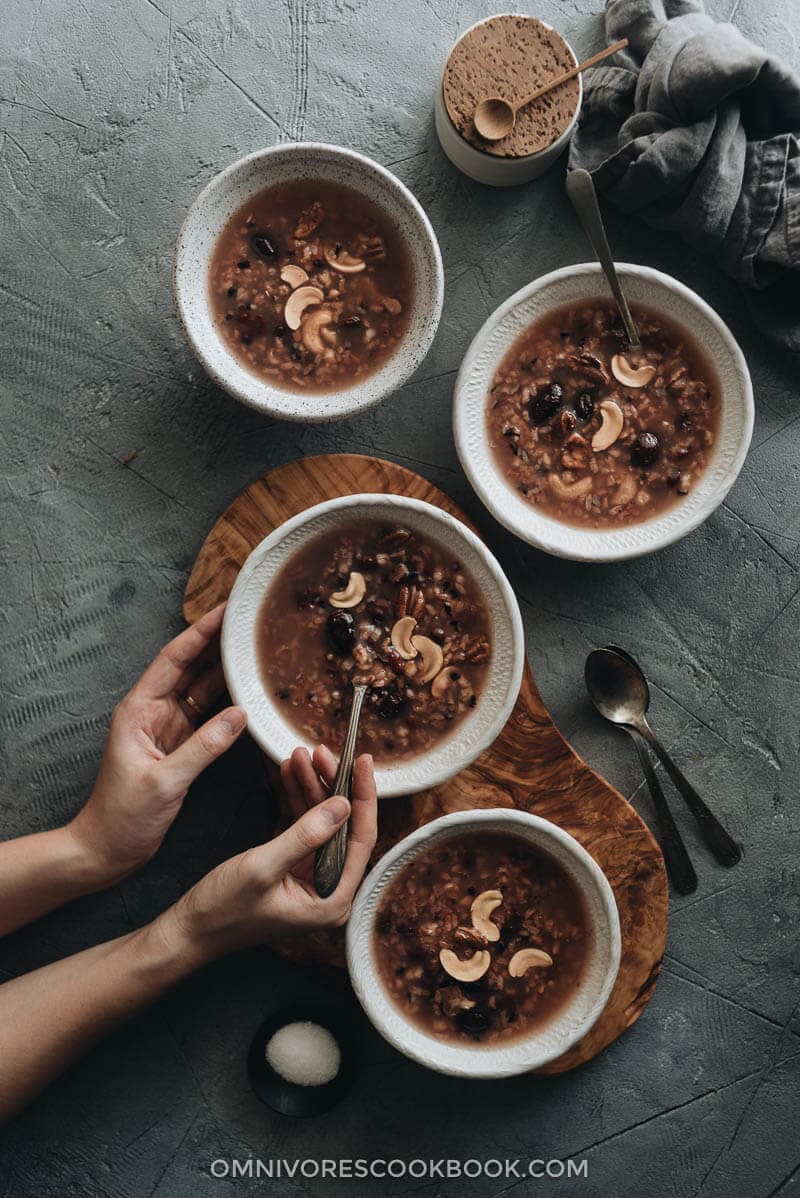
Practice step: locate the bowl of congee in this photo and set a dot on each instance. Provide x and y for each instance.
(308, 281)
(386, 591)
(590, 448)
(484, 944)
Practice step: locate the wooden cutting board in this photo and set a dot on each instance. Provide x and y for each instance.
(529, 766)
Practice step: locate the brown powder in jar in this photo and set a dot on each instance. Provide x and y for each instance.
(510, 56)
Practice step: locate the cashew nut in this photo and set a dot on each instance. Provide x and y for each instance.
(295, 276)
(312, 327)
(443, 681)
(401, 637)
(625, 491)
(630, 376)
(465, 971)
(352, 594)
(581, 486)
(343, 261)
(431, 656)
(297, 303)
(610, 429)
(482, 907)
(528, 958)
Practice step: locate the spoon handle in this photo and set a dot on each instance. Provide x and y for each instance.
(581, 192)
(572, 72)
(329, 860)
(680, 870)
(721, 843)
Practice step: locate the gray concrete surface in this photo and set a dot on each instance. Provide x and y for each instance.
(113, 116)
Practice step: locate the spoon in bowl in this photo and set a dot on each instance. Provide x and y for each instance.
(495, 117)
(329, 860)
(620, 692)
(581, 192)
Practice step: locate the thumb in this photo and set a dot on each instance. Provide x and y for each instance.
(205, 745)
(310, 832)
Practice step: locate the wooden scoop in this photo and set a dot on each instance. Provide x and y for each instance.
(495, 118)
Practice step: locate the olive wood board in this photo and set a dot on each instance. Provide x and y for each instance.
(530, 766)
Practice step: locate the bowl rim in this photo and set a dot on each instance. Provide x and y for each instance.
(555, 147)
(364, 981)
(343, 402)
(545, 532)
(391, 783)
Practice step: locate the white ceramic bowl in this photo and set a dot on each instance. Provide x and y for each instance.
(493, 169)
(504, 326)
(266, 721)
(543, 1045)
(227, 192)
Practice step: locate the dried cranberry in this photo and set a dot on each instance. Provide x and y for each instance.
(584, 406)
(340, 631)
(546, 402)
(645, 449)
(390, 705)
(263, 245)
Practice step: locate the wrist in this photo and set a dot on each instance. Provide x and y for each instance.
(80, 867)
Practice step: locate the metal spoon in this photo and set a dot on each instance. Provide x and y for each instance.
(329, 860)
(620, 692)
(680, 870)
(581, 192)
(495, 118)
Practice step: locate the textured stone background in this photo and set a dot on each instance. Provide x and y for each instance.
(113, 116)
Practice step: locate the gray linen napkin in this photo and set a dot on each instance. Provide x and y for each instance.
(698, 131)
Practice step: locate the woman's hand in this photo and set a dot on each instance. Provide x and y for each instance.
(267, 892)
(155, 750)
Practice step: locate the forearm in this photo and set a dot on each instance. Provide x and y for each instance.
(40, 872)
(51, 1016)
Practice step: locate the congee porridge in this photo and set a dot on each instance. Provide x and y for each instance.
(310, 285)
(595, 433)
(375, 603)
(482, 939)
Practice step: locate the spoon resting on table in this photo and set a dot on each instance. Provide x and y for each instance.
(620, 692)
(494, 118)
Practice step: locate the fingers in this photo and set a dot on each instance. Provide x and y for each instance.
(307, 834)
(363, 827)
(207, 688)
(165, 673)
(325, 764)
(205, 745)
(300, 775)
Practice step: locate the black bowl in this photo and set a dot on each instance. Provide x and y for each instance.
(284, 1096)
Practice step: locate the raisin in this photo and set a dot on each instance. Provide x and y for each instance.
(390, 705)
(340, 632)
(673, 477)
(243, 265)
(584, 406)
(545, 403)
(280, 330)
(684, 421)
(231, 291)
(645, 449)
(474, 1021)
(262, 245)
(352, 322)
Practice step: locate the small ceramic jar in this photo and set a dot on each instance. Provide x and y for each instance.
(505, 163)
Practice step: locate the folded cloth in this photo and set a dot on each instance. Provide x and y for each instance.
(698, 130)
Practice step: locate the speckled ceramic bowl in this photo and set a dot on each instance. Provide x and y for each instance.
(208, 215)
(542, 1045)
(266, 721)
(573, 284)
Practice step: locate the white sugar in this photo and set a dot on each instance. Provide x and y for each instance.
(304, 1054)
